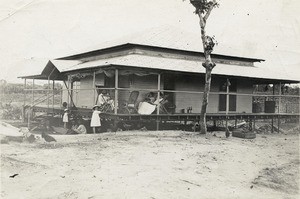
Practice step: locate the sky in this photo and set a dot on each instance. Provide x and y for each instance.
(34, 31)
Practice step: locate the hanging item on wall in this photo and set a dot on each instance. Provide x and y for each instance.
(108, 72)
(78, 76)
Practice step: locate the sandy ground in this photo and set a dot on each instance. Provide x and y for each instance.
(167, 164)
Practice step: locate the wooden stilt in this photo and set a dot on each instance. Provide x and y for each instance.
(94, 87)
(227, 101)
(272, 129)
(272, 123)
(278, 123)
(32, 92)
(116, 90)
(24, 94)
(158, 98)
(53, 86)
(24, 103)
(29, 113)
(279, 98)
(71, 94)
(279, 104)
(61, 96)
(48, 93)
(67, 87)
(235, 123)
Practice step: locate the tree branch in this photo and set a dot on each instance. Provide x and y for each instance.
(202, 22)
(211, 7)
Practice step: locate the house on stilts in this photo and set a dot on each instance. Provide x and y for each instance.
(167, 64)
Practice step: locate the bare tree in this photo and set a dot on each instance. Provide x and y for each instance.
(203, 10)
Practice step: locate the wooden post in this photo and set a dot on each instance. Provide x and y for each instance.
(254, 121)
(116, 98)
(235, 123)
(68, 96)
(28, 117)
(279, 104)
(61, 96)
(70, 99)
(71, 94)
(278, 123)
(158, 98)
(53, 86)
(272, 129)
(32, 91)
(24, 103)
(227, 101)
(94, 87)
(48, 92)
(29, 113)
(116, 90)
(24, 92)
(279, 99)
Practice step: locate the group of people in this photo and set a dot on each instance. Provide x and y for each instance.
(103, 101)
(77, 125)
(152, 100)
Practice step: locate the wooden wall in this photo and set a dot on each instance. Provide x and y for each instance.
(85, 98)
(194, 100)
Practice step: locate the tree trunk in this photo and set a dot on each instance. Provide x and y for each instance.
(205, 101)
(208, 65)
(203, 10)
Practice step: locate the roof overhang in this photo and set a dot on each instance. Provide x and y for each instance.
(177, 65)
(50, 71)
(157, 48)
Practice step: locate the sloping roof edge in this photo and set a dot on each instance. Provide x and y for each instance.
(178, 65)
(131, 45)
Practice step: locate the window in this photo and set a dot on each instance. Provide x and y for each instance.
(232, 98)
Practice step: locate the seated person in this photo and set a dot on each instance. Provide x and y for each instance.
(150, 104)
(80, 129)
(108, 100)
(105, 99)
(152, 98)
(146, 108)
(101, 99)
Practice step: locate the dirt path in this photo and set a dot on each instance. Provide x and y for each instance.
(152, 165)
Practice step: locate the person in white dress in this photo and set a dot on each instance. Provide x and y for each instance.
(66, 118)
(95, 121)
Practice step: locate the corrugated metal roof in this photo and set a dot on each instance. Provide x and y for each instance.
(172, 64)
(45, 68)
(167, 37)
(63, 65)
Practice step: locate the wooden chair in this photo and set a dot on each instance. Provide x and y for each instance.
(129, 105)
(107, 105)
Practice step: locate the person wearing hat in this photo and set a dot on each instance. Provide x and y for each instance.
(95, 121)
(66, 118)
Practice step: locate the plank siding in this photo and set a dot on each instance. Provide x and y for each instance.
(86, 97)
(244, 103)
(181, 100)
(184, 100)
